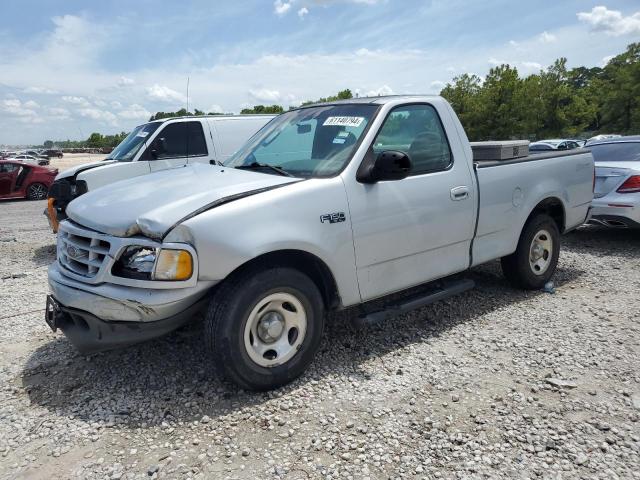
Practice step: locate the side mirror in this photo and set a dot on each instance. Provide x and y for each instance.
(388, 165)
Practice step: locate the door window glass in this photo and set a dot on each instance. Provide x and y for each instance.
(180, 139)
(417, 131)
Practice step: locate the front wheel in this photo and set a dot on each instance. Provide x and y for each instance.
(264, 326)
(534, 261)
(37, 191)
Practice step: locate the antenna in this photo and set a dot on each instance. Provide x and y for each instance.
(187, 95)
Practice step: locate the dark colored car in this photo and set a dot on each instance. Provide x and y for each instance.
(23, 180)
(53, 153)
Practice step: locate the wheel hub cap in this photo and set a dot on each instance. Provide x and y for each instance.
(541, 252)
(275, 329)
(270, 327)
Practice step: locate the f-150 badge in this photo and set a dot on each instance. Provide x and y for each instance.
(332, 217)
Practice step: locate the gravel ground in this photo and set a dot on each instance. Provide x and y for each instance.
(495, 383)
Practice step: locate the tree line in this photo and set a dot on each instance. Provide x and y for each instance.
(555, 102)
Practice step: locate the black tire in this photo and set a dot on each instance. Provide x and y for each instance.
(517, 267)
(37, 191)
(229, 311)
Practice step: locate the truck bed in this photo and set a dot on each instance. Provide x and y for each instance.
(507, 195)
(532, 157)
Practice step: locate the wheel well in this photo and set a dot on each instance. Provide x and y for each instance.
(304, 262)
(553, 207)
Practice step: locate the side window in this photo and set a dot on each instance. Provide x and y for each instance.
(7, 167)
(417, 131)
(196, 144)
(180, 139)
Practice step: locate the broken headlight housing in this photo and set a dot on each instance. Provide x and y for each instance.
(147, 263)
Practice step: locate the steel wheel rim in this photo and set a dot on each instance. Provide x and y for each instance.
(275, 329)
(540, 252)
(38, 191)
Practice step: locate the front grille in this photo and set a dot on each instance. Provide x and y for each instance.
(81, 253)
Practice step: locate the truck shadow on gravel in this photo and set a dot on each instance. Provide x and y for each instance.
(169, 379)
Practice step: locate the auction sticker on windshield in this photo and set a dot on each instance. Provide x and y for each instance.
(343, 121)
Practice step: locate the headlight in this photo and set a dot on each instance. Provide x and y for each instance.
(173, 265)
(146, 263)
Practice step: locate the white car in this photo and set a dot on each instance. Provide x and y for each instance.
(616, 200)
(30, 159)
(599, 138)
(554, 144)
(155, 146)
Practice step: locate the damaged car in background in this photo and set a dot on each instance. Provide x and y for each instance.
(328, 207)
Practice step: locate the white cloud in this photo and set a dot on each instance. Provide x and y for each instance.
(134, 112)
(31, 104)
(76, 100)
(40, 90)
(513, 43)
(497, 62)
(103, 116)
(21, 111)
(265, 95)
(281, 8)
(437, 85)
(215, 108)
(380, 91)
(59, 112)
(611, 22)
(125, 81)
(303, 11)
(546, 37)
(165, 94)
(606, 60)
(116, 104)
(532, 65)
(100, 103)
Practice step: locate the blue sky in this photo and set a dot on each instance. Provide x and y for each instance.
(68, 68)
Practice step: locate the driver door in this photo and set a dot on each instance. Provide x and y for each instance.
(411, 231)
(175, 145)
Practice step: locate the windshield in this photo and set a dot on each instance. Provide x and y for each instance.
(311, 142)
(616, 152)
(127, 149)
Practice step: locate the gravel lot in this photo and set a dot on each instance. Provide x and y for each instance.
(496, 383)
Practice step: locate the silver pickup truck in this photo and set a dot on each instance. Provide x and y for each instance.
(327, 207)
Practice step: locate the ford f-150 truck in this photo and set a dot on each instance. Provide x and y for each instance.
(155, 146)
(329, 206)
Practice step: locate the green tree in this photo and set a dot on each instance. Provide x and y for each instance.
(48, 144)
(341, 95)
(262, 109)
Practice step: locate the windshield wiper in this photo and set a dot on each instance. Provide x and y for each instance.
(255, 165)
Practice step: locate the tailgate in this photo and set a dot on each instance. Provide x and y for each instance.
(608, 179)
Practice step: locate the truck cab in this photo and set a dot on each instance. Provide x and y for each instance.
(155, 146)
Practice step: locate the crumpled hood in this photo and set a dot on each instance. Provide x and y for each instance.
(153, 204)
(70, 172)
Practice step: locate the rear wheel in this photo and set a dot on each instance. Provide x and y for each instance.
(264, 326)
(534, 261)
(37, 191)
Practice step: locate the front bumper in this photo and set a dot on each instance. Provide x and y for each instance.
(102, 317)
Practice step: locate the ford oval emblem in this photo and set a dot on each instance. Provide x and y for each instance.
(72, 251)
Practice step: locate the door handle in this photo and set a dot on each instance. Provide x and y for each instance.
(459, 193)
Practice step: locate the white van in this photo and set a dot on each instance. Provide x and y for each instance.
(155, 146)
